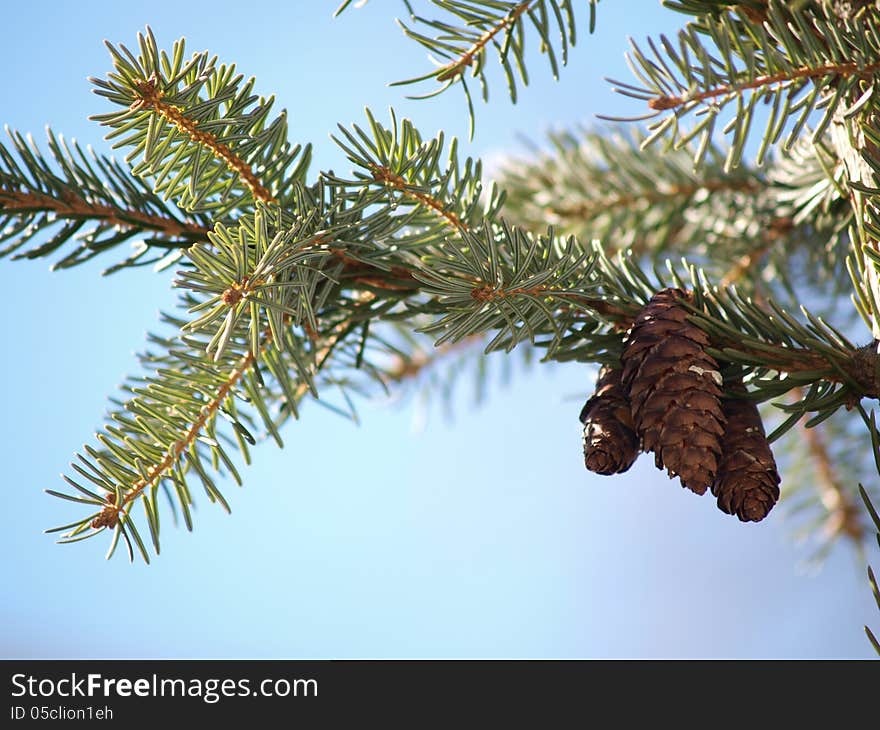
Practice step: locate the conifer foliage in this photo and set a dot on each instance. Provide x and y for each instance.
(704, 279)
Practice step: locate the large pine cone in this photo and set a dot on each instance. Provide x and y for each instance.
(674, 391)
(747, 484)
(610, 442)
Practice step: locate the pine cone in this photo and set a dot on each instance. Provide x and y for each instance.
(674, 391)
(747, 484)
(610, 442)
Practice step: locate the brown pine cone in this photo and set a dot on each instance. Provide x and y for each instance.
(674, 390)
(610, 442)
(747, 484)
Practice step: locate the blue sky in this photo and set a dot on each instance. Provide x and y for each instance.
(479, 536)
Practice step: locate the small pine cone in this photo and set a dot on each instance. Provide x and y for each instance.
(747, 484)
(610, 442)
(674, 391)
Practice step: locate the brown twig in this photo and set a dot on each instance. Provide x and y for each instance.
(111, 513)
(231, 296)
(151, 98)
(409, 368)
(363, 273)
(844, 516)
(488, 293)
(386, 177)
(861, 367)
(457, 67)
(664, 103)
(157, 471)
(588, 211)
(621, 317)
(776, 231)
(71, 206)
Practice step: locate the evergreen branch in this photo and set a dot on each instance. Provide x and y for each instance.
(261, 256)
(162, 432)
(258, 270)
(519, 285)
(501, 279)
(424, 178)
(781, 352)
(456, 68)
(204, 138)
(396, 182)
(767, 337)
(857, 149)
(254, 258)
(576, 303)
(76, 189)
(77, 208)
(281, 291)
(151, 98)
(413, 365)
(676, 193)
(602, 185)
(113, 511)
(473, 26)
(844, 517)
(833, 71)
(799, 59)
(250, 248)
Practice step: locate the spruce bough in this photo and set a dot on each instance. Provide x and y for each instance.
(293, 281)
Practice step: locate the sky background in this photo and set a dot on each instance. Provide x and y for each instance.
(411, 535)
